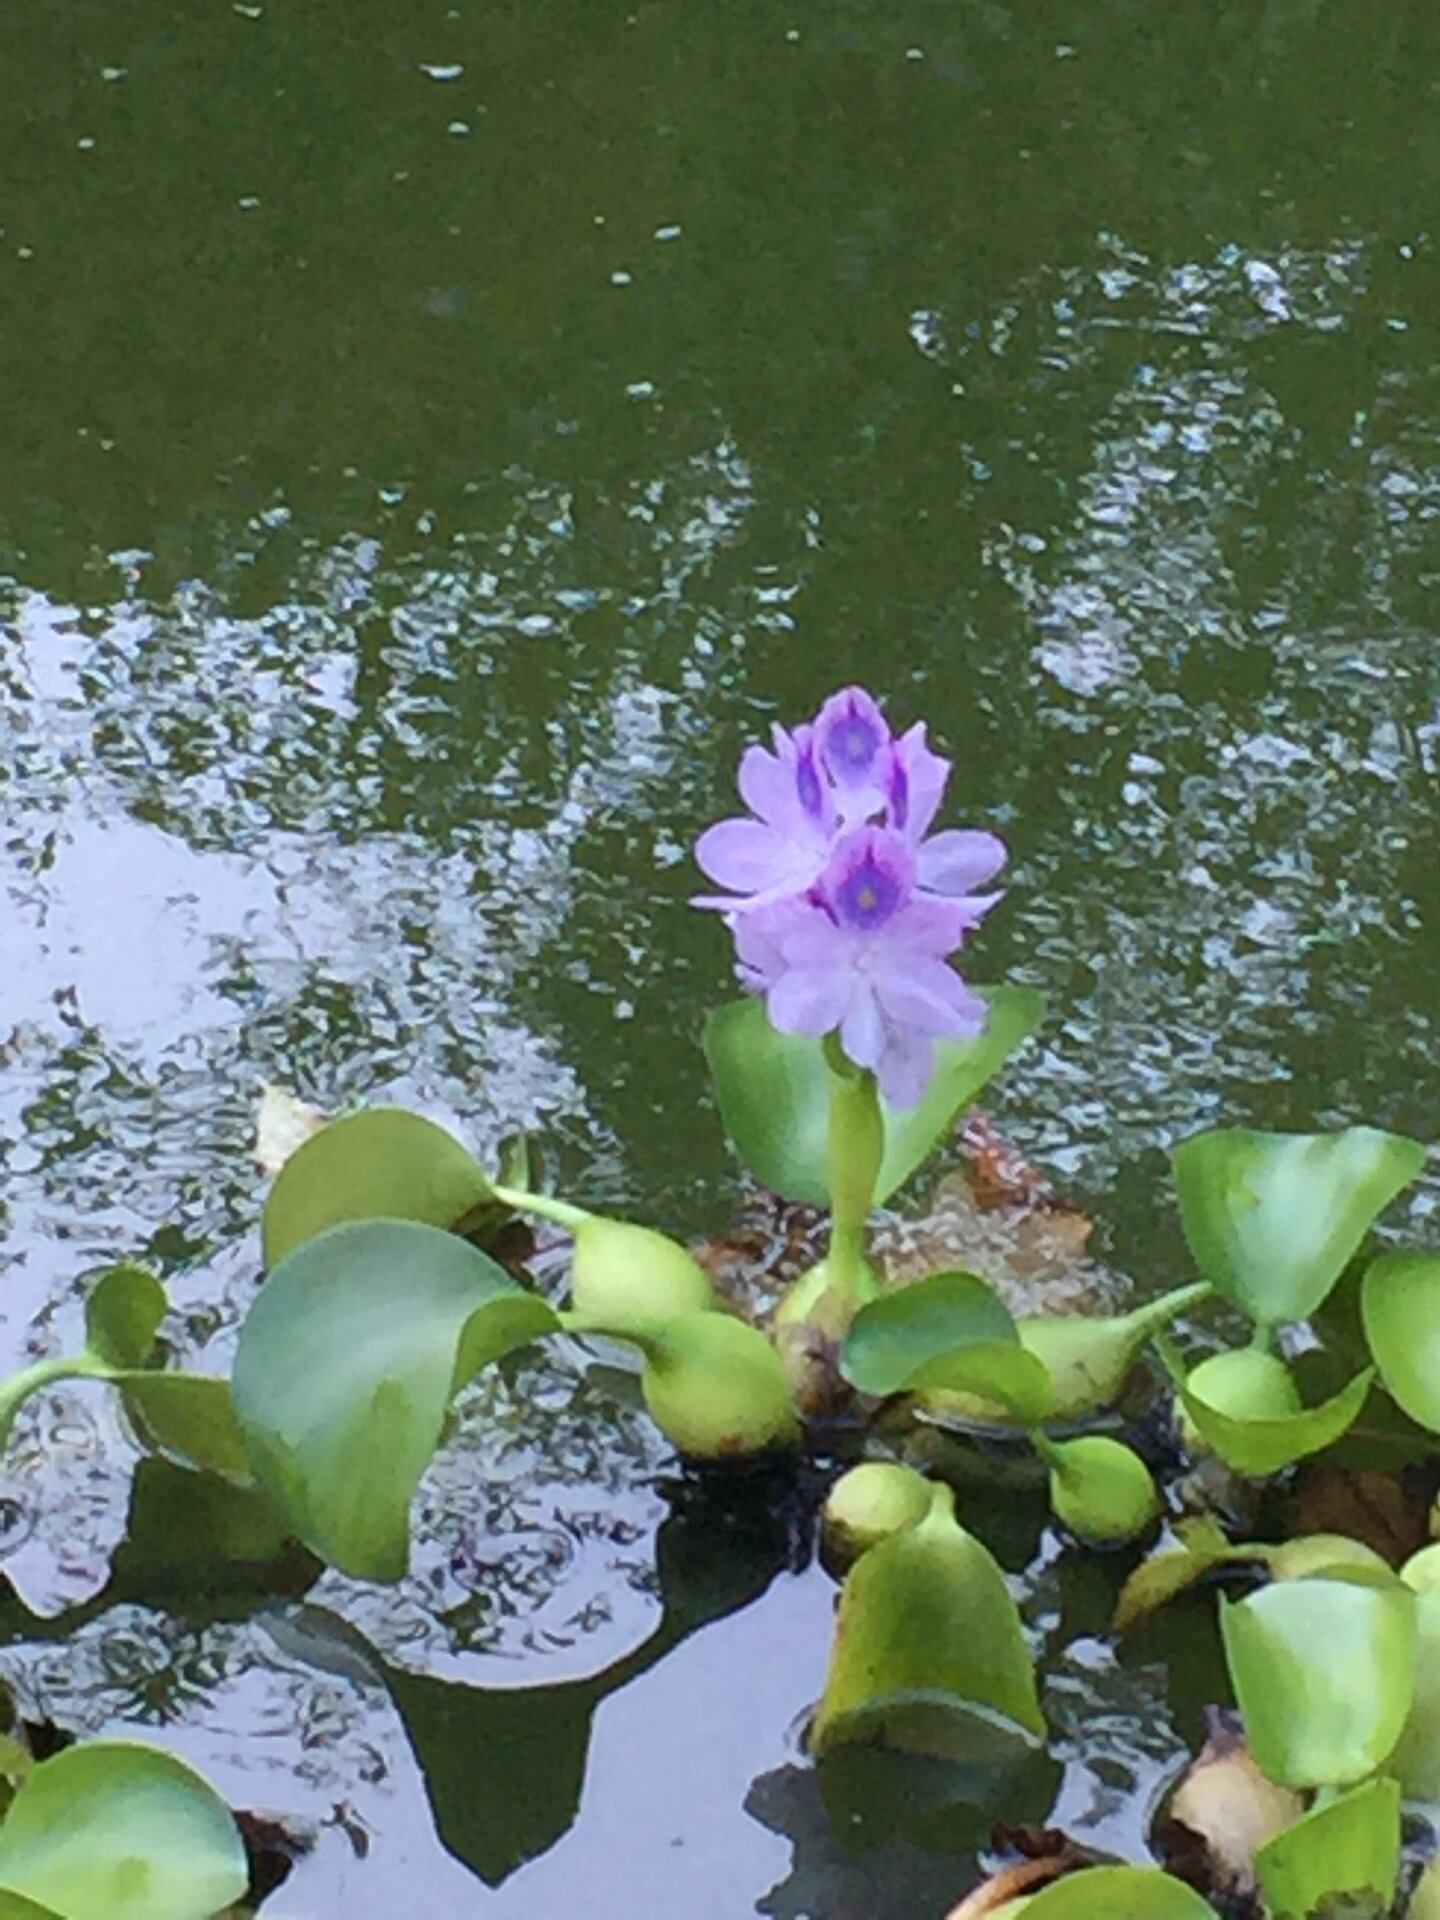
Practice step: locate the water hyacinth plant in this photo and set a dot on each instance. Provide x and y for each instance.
(855, 1044)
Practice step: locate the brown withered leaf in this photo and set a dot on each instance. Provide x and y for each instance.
(1221, 1810)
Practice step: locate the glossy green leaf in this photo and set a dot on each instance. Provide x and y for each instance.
(1200, 1546)
(116, 1829)
(997, 1380)
(1257, 1447)
(346, 1365)
(1416, 1760)
(896, 1335)
(123, 1312)
(774, 1093)
(382, 1163)
(1400, 1301)
(14, 1906)
(1350, 1846)
(1118, 1893)
(926, 1612)
(1273, 1218)
(190, 1417)
(1323, 1670)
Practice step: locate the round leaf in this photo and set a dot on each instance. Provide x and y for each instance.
(1273, 1218)
(116, 1828)
(1118, 1893)
(1261, 1447)
(346, 1365)
(1351, 1846)
(383, 1163)
(1323, 1671)
(1400, 1300)
(1416, 1760)
(774, 1092)
(894, 1336)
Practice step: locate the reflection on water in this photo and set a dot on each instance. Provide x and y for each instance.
(436, 443)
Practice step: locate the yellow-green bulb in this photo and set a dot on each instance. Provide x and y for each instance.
(1101, 1491)
(868, 1504)
(627, 1277)
(716, 1387)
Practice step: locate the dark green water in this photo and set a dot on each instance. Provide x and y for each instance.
(436, 439)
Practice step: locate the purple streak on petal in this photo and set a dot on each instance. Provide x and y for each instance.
(958, 860)
(915, 784)
(815, 799)
(853, 738)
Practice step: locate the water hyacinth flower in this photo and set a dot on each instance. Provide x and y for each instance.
(844, 906)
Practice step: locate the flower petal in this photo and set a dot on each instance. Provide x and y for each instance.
(930, 998)
(916, 784)
(958, 860)
(749, 857)
(765, 785)
(862, 1031)
(905, 1068)
(805, 1001)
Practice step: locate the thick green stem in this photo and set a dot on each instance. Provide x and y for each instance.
(1159, 1313)
(548, 1208)
(856, 1146)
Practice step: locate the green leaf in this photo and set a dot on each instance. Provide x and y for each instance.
(925, 1612)
(1118, 1893)
(122, 1316)
(1009, 1380)
(1323, 1670)
(14, 1906)
(949, 1332)
(1349, 1846)
(346, 1365)
(1416, 1760)
(1400, 1302)
(190, 1417)
(382, 1163)
(1273, 1218)
(1257, 1447)
(894, 1336)
(774, 1092)
(118, 1829)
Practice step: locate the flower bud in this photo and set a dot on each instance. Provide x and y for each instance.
(868, 1504)
(1101, 1490)
(716, 1387)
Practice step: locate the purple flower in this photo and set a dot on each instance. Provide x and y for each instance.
(845, 907)
(865, 954)
(783, 848)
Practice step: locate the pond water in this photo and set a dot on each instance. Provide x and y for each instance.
(438, 437)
